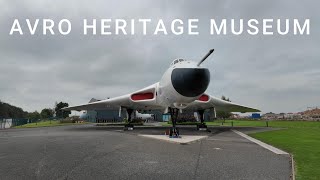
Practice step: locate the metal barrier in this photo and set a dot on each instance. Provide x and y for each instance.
(8, 123)
(5, 123)
(19, 122)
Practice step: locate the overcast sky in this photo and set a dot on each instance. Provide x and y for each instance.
(273, 73)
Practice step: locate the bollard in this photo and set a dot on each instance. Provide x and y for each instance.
(232, 123)
(267, 124)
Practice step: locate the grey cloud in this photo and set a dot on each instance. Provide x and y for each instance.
(274, 73)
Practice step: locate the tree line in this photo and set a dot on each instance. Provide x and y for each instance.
(10, 111)
(224, 114)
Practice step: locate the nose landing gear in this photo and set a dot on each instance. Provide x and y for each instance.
(202, 126)
(129, 126)
(174, 131)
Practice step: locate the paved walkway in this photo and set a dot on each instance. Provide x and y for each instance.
(89, 152)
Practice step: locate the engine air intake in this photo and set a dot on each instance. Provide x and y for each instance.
(142, 96)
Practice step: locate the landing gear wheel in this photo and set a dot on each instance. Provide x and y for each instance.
(128, 127)
(202, 127)
(174, 132)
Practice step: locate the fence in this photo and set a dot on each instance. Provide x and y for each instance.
(5, 123)
(8, 123)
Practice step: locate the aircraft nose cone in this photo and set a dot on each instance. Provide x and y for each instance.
(190, 82)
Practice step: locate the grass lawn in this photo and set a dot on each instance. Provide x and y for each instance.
(261, 123)
(118, 124)
(43, 124)
(300, 138)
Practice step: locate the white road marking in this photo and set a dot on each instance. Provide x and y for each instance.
(260, 143)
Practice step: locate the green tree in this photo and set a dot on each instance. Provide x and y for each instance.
(46, 113)
(60, 113)
(224, 114)
(34, 115)
(9, 111)
(225, 98)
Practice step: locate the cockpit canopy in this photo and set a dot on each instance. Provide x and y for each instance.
(176, 61)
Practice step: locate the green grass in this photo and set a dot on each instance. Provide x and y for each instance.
(222, 123)
(238, 123)
(300, 138)
(303, 143)
(43, 124)
(262, 123)
(118, 124)
(258, 123)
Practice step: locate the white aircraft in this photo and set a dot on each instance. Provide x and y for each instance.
(182, 87)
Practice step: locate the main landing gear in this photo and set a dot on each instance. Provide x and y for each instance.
(174, 131)
(129, 126)
(202, 126)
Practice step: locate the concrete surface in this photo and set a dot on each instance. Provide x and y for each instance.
(90, 152)
(184, 139)
(262, 144)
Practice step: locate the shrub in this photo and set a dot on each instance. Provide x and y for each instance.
(67, 121)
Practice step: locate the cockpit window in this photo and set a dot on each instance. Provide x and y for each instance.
(176, 61)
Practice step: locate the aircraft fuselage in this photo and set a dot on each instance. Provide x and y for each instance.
(183, 83)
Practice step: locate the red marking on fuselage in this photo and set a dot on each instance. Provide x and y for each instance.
(204, 97)
(141, 96)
